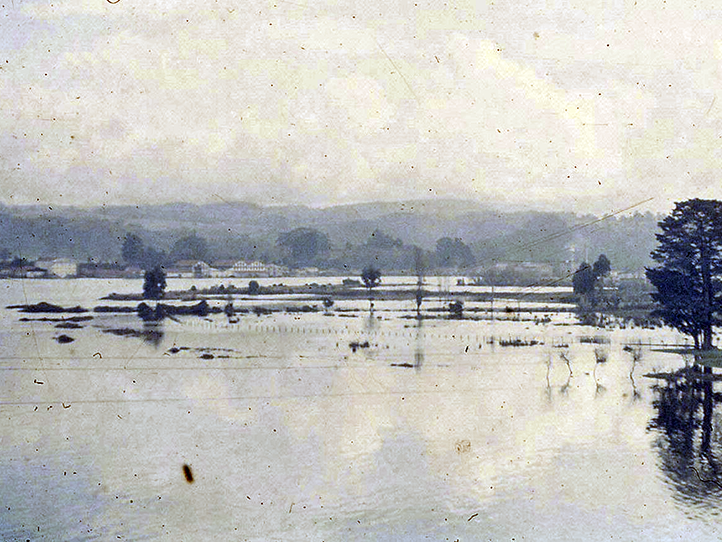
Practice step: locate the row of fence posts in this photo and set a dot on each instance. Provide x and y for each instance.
(521, 340)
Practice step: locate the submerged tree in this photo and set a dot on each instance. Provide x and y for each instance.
(154, 284)
(601, 269)
(687, 278)
(371, 277)
(583, 279)
(588, 280)
(420, 266)
(602, 266)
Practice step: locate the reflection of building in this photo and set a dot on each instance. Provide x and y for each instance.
(60, 267)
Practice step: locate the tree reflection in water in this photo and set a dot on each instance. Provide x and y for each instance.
(688, 436)
(565, 388)
(419, 345)
(548, 388)
(152, 333)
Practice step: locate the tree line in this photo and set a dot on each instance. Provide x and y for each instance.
(309, 247)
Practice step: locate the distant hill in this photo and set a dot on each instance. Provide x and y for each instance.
(238, 229)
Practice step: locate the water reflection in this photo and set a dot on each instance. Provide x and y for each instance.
(371, 322)
(601, 357)
(564, 390)
(151, 333)
(419, 345)
(688, 443)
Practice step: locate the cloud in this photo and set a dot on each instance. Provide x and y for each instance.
(341, 102)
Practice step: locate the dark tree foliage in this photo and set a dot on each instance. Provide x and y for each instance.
(583, 280)
(190, 247)
(453, 253)
(588, 280)
(602, 266)
(379, 239)
(154, 258)
(19, 262)
(134, 252)
(154, 284)
(687, 277)
(420, 265)
(371, 277)
(681, 300)
(303, 245)
(133, 249)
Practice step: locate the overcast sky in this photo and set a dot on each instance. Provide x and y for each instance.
(581, 105)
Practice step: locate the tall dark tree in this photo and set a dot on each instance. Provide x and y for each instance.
(371, 277)
(601, 269)
(303, 245)
(583, 280)
(154, 284)
(420, 265)
(602, 266)
(687, 277)
(133, 249)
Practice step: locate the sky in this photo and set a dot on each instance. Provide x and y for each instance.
(590, 106)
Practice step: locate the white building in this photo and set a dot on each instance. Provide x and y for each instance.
(192, 269)
(255, 269)
(203, 270)
(59, 267)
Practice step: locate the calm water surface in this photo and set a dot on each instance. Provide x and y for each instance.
(430, 433)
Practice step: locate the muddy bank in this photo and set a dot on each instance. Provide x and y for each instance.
(162, 310)
(111, 309)
(68, 325)
(62, 319)
(44, 307)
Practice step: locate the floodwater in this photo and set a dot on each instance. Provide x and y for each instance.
(274, 428)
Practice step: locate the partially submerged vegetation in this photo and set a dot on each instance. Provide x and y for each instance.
(688, 293)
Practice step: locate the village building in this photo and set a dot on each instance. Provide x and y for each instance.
(255, 269)
(192, 269)
(23, 272)
(59, 267)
